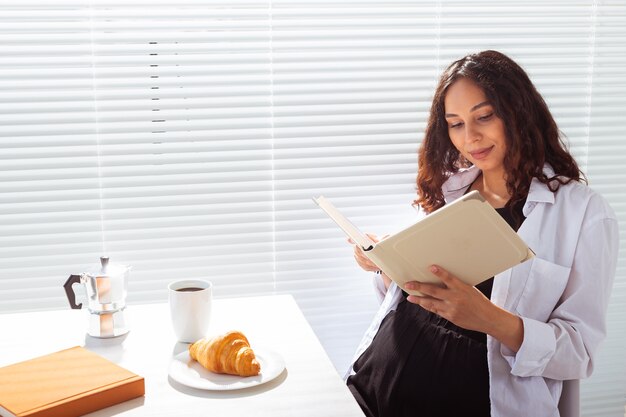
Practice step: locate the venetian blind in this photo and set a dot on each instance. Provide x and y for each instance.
(141, 130)
(186, 138)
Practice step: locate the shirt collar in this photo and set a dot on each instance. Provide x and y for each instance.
(538, 192)
(457, 183)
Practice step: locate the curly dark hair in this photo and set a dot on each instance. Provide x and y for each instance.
(532, 136)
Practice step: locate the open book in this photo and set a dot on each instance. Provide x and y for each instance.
(466, 237)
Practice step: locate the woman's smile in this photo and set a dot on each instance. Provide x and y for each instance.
(482, 153)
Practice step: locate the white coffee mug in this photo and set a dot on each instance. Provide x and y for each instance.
(190, 308)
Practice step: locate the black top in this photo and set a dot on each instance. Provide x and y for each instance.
(420, 364)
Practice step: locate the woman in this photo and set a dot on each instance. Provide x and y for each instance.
(516, 344)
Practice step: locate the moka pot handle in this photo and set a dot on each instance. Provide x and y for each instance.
(69, 291)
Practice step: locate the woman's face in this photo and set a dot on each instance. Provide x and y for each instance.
(473, 126)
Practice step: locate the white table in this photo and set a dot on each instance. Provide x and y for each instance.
(310, 385)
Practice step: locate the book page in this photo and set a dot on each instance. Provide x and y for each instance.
(349, 229)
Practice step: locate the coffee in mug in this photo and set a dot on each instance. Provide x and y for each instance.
(190, 308)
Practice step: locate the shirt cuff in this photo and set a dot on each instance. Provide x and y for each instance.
(379, 287)
(535, 352)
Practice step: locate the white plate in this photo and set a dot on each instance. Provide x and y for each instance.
(189, 372)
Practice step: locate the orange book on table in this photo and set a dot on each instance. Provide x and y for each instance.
(68, 383)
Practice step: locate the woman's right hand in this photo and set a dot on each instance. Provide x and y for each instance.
(364, 262)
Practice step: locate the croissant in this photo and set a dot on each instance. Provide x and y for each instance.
(229, 353)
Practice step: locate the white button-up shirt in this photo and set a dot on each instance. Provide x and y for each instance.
(561, 295)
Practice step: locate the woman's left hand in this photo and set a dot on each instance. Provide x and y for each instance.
(456, 301)
(468, 308)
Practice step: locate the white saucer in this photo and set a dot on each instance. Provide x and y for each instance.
(189, 372)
